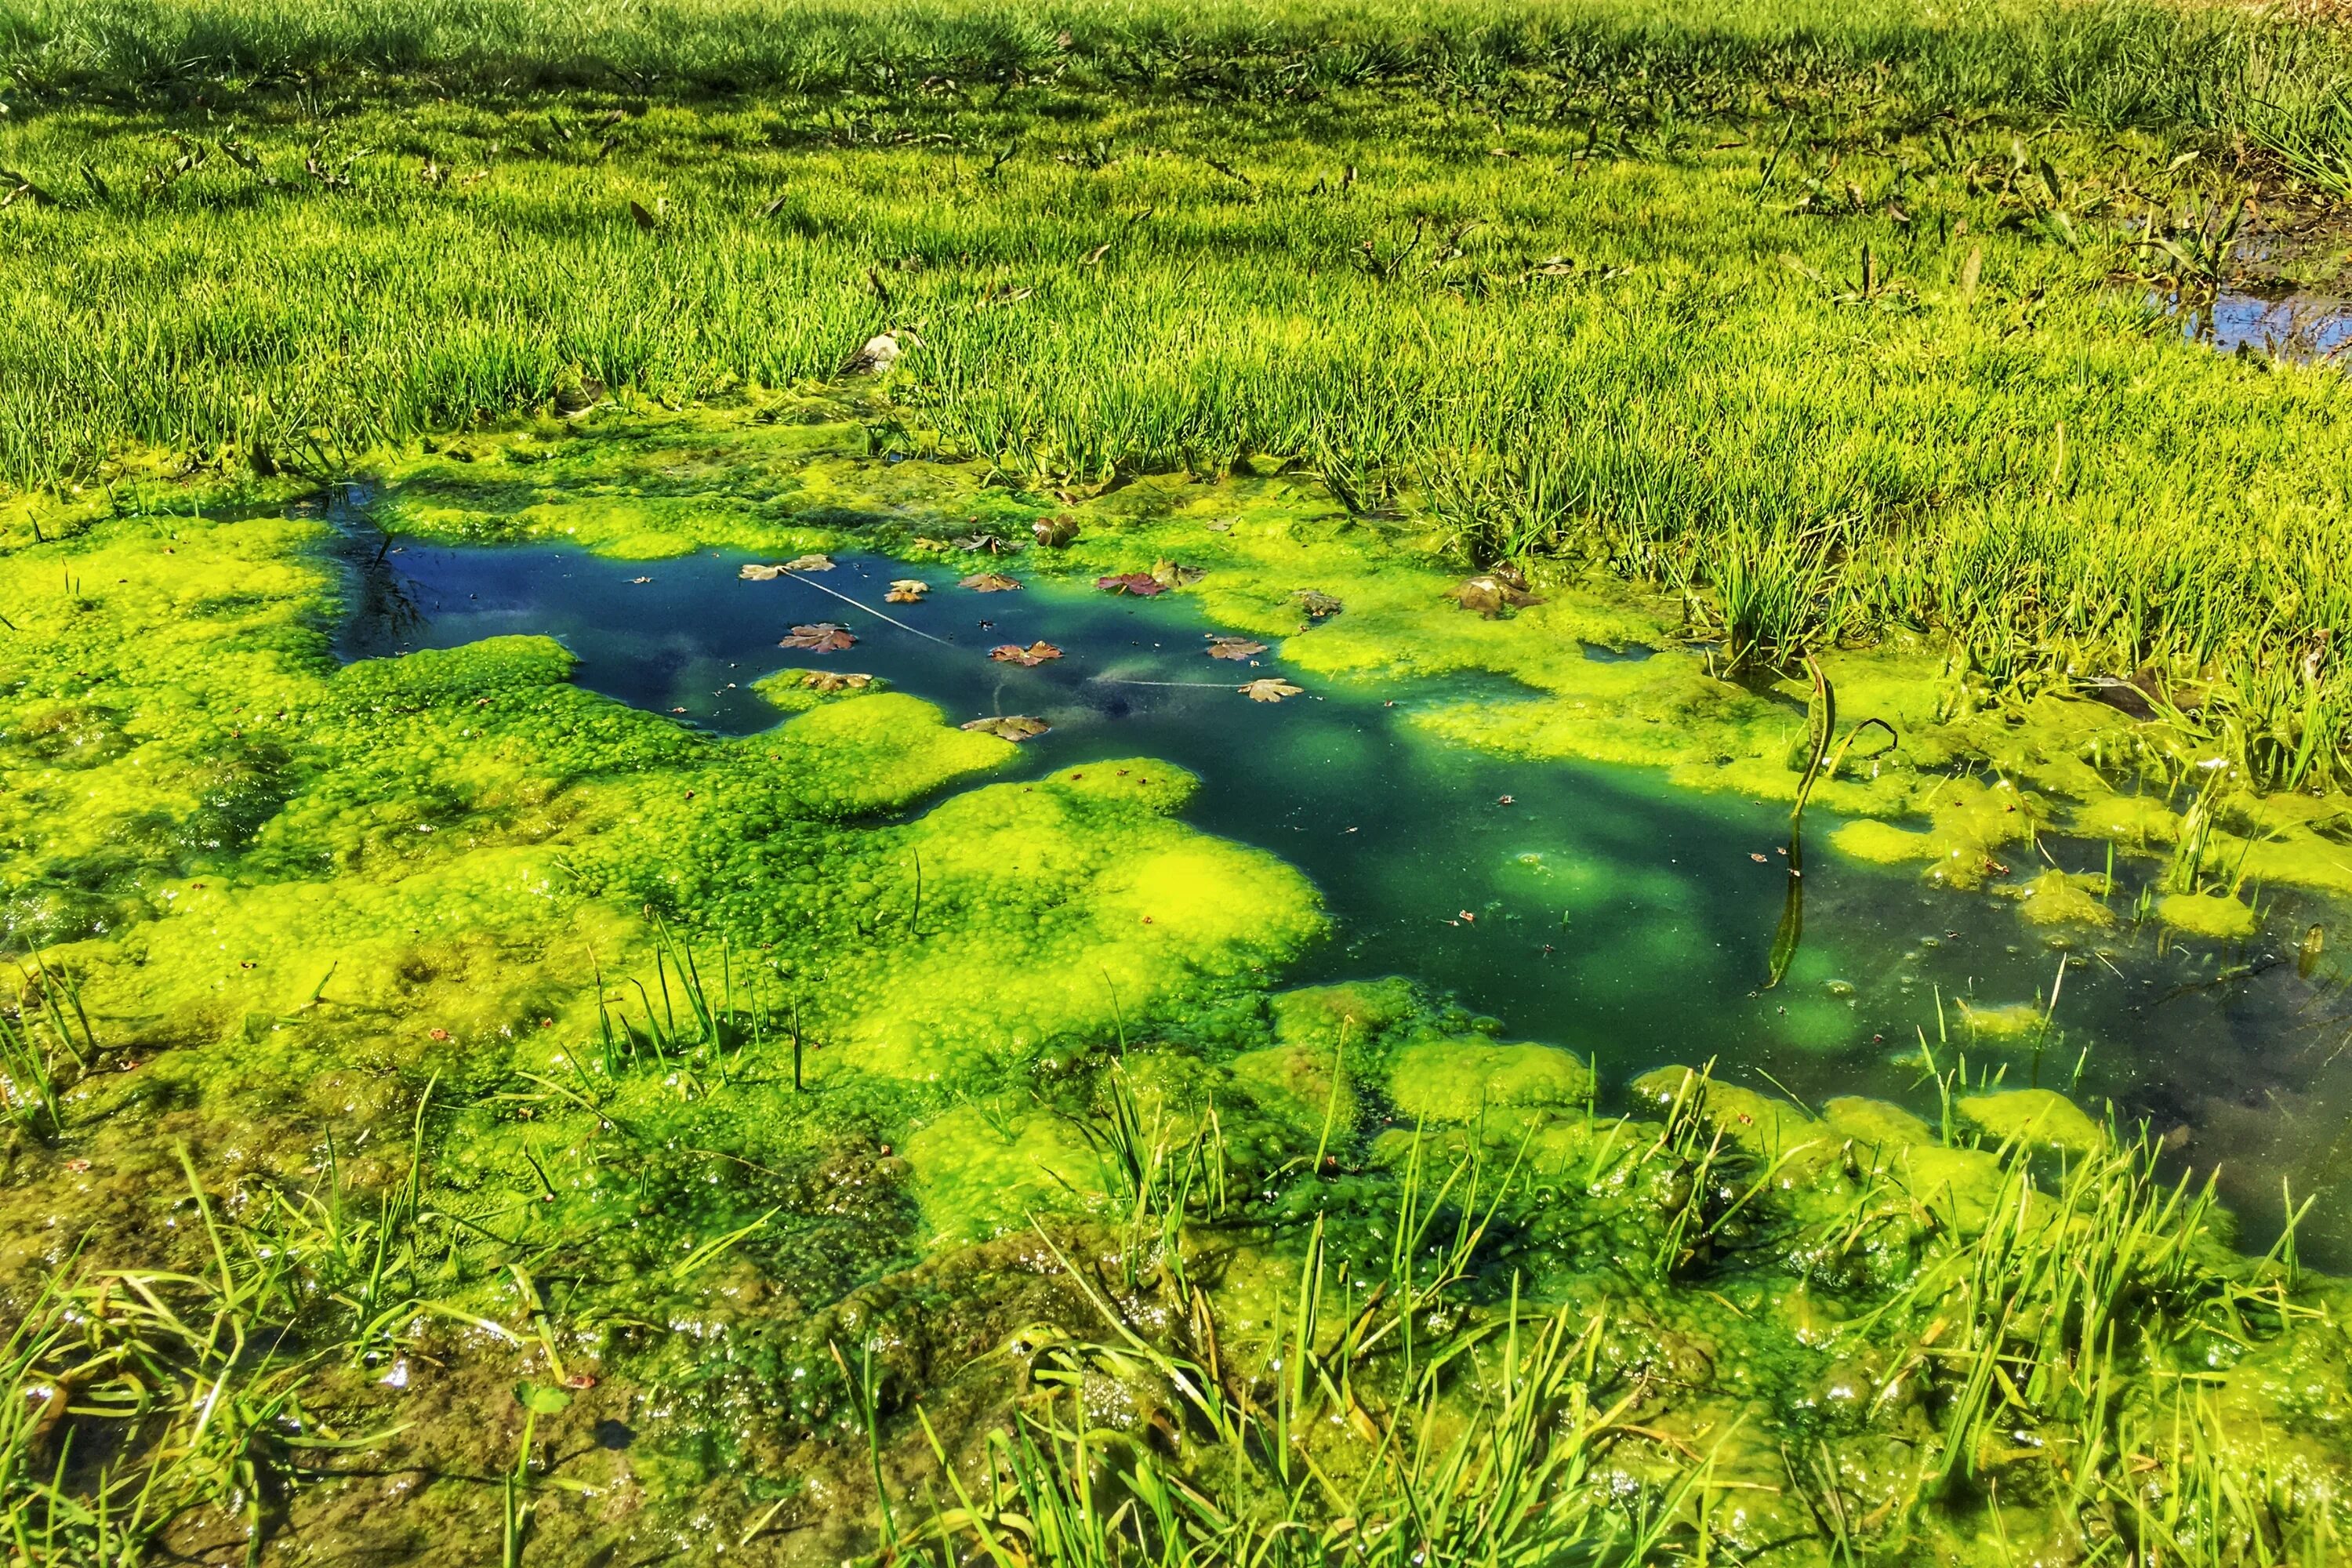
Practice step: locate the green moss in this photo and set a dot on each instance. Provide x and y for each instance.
(1462, 1080)
(2215, 916)
(979, 1175)
(2033, 1117)
(2005, 1024)
(1763, 1126)
(1294, 1084)
(1875, 1125)
(2057, 898)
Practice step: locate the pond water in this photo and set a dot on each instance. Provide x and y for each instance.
(1596, 908)
(2296, 326)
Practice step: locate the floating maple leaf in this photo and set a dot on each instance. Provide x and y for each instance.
(1492, 594)
(753, 572)
(1169, 575)
(1317, 603)
(1055, 532)
(989, 583)
(1232, 648)
(1268, 690)
(1029, 658)
(907, 591)
(809, 564)
(1142, 585)
(824, 637)
(830, 680)
(1010, 727)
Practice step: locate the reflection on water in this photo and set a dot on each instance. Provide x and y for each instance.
(1594, 907)
(2305, 327)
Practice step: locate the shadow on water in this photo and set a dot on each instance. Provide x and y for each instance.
(1597, 908)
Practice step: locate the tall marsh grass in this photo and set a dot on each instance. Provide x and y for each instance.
(1834, 321)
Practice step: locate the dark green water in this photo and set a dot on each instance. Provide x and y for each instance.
(1599, 908)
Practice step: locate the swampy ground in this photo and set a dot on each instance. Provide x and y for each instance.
(1444, 785)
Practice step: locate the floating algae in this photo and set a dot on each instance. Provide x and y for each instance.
(754, 1043)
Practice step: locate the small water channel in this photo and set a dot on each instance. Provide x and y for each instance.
(2308, 328)
(1597, 908)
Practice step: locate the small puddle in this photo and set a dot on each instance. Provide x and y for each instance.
(2301, 327)
(1597, 908)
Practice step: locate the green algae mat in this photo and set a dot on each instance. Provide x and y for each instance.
(651, 982)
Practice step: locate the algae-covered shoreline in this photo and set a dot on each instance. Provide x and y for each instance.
(630, 1079)
(1445, 784)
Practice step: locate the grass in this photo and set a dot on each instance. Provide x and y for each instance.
(1834, 324)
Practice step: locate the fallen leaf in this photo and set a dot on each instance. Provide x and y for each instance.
(1142, 585)
(1010, 727)
(753, 572)
(1029, 658)
(809, 564)
(824, 637)
(907, 591)
(1491, 594)
(636, 580)
(1267, 690)
(989, 583)
(1169, 575)
(1318, 604)
(1055, 532)
(1758, 859)
(1465, 917)
(1232, 648)
(1503, 800)
(993, 543)
(829, 680)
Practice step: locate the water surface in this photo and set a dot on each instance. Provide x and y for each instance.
(1594, 907)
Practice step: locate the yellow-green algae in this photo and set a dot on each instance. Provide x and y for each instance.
(1462, 1080)
(2214, 915)
(2037, 1117)
(1982, 778)
(289, 893)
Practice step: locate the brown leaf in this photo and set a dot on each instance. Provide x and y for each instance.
(1267, 690)
(831, 681)
(907, 591)
(1169, 575)
(808, 563)
(989, 583)
(1318, 604)
(1029, 658)
(1010, 727)
(824, 637)
(1232, 648)
(1142, 585)
(1055, 532)
(753, 572)
(1492, 594)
